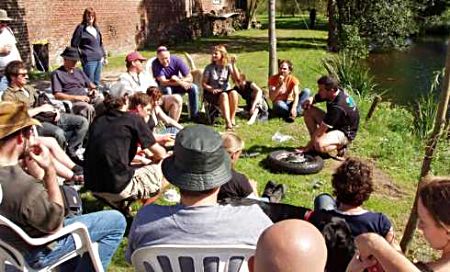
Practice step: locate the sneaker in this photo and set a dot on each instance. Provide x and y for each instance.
(278, 193)
(269, 188)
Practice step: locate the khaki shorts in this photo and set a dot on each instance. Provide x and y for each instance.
(335, 137)
(145, 183)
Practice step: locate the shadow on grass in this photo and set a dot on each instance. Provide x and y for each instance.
(239, 44)
(299, 22)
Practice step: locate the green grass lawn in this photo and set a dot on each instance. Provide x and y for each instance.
(386, 140)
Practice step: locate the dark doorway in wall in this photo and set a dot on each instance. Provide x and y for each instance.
(40, 56)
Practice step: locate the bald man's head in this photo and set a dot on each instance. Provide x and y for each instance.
(290, 245)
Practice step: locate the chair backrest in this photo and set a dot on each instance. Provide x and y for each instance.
(190, 258)
(12, 256)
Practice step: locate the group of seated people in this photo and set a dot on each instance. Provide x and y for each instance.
(199, 167)
(126, 159)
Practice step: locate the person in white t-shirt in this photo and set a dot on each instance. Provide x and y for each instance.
(8, 48)
(137, 79)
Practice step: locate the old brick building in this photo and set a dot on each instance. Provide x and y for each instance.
(125, 24)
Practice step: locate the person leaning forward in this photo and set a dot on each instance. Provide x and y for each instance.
(198, 167)
(113, 141)
(71, 83)
(336, 128)
(37, 205)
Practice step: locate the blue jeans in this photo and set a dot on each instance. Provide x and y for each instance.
(324, 201)
(93, 70)
(105, 228)
(283, 108)
(70, 129)
(193, 94)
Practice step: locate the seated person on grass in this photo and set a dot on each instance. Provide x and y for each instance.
(284, 91)
(336, 128)
(143, 105)
(68, 129)
(287, 246)
(114, 138)
(158, 116)
(251, 93)
(434, 222)
(137, 80)
(36, 204)
(240, 186)
(353, 184)
(215, 85)
(198, 167)
(71, 83)
(174, 77)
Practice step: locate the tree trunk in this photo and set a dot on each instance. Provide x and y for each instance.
(432, 142)
(332, 41)
(272, 39)
(252, 5)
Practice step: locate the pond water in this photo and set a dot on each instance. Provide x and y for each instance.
(408, 74)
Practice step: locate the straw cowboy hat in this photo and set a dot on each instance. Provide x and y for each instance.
(13, 117)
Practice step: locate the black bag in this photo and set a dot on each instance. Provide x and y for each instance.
(48, 116)
(72, 201)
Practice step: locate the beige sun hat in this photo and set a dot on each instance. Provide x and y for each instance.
(4, 16)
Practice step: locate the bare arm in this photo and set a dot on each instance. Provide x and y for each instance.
(44, 108)
(158, 152)
(295, 102)
(274, 90)
(64, 96)
(390, 237)
(234, 71)
(372, 246)
(166, 119)
(208, 87)
(41, 156)
(5, 49)
(257, 94)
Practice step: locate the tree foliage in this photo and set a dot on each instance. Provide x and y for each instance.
(381, 24)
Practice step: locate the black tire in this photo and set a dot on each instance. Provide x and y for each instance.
(276, 162)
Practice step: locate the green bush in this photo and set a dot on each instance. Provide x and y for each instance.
(425, 109)
(352, 43)
(353, 75)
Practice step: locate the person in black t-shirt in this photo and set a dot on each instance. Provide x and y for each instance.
(336, 128)
(113, 141)
(239, 186)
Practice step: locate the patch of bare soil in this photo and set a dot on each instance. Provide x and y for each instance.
(385, 186)
(383, 183)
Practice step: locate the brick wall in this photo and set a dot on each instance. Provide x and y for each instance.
(125, 24)
(53, 22)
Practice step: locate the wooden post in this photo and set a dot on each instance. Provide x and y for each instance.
(432, 142)
(374, 105)
(273, 66)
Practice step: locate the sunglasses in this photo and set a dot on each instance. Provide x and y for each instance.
(21, 74)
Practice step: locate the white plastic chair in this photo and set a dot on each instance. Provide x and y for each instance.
(12, 256)
(184, 258)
